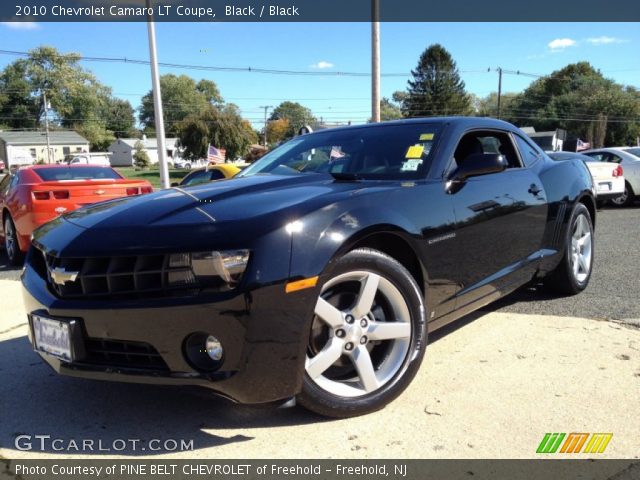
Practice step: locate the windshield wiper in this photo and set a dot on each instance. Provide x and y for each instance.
(350, 177)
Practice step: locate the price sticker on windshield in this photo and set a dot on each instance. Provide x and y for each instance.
(411, 165)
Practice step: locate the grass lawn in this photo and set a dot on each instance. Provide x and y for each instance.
(151, 174)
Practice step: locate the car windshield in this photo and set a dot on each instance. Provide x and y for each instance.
(382, 152)
(61, 174)
(633, 151)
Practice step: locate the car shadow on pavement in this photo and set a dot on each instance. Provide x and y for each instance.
(4, 263)
(40, 402)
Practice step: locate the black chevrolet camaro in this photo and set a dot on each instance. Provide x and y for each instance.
(317, 272)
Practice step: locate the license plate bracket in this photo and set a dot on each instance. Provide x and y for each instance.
(54, 336)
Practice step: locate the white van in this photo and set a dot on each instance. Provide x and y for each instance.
(91, 159)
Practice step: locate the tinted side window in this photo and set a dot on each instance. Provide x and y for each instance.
(614, 158)
(215, 175)
(4, 184)
(600, 157)
(528, 153)
(196, 178)
(486, 142)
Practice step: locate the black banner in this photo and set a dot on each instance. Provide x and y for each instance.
(320, 469)
(317, 11)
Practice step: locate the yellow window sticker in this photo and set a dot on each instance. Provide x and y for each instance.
(426, 136)
(415, 151)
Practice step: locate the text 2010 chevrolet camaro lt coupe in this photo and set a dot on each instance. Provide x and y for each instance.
(317, 272)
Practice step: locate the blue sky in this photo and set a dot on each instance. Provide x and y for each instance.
(536, 48)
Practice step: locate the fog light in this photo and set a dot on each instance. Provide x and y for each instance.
(203, 352)
(214, 348)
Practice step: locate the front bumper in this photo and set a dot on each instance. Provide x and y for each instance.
(264, 332)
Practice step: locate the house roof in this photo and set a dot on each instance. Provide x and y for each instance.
(148, 144)
(65, 137)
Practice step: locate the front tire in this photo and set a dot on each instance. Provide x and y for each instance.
(11, 244)
(367, 339)
(572, 274)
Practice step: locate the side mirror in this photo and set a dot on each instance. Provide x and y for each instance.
(480, 164)
(175, 184)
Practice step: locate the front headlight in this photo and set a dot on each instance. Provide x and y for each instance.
(219, 270)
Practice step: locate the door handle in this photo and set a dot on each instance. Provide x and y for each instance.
(534, 189)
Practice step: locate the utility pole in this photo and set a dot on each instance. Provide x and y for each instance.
(266, 108)
(157, 100)
(46, 124)
(375, 61)
(499, 89)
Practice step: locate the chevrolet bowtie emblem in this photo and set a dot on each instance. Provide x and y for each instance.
(60, 276)
(99, 192)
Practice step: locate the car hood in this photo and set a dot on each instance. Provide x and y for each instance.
(237, 199)
(228, 212)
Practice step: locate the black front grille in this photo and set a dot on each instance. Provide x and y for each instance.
(116, 353)
(114, 276)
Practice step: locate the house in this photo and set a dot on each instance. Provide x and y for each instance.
(123, 149)
(548, 141)
(23, 148)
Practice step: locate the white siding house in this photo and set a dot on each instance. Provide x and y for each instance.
(23, 148)
(123, 149)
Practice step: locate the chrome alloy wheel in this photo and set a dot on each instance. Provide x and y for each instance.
(622, 199)
(10, 239)
(581, 249)
(360, 336)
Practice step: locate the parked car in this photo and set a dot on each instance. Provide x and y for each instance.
(209, 174)
(90, 159)
(632, 150)
(608, 178)
(34, 195)
(318, 271)
(631, 166)
(189, 164)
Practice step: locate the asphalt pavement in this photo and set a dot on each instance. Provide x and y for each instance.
(612, 294)
(491, 386)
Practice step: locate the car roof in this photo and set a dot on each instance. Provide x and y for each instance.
(482, 122)
(60, 165)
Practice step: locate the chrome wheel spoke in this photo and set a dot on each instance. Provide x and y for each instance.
(389, 330)
(367, 295)
(328, 313)
(362, 361)
(319, 364)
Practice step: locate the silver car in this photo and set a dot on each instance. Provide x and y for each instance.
(630, 161)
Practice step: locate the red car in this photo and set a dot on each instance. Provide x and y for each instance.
(37, 194)
(2, 166)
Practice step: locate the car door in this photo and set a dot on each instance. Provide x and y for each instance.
(500, 219)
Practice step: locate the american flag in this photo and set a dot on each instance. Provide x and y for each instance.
(582, 145)
(335, 153)
(216, 155)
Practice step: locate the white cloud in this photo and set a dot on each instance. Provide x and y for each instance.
(604, 40)
(561, 44)
(322, 65)
(21, 25)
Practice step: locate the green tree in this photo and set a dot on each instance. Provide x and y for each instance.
(222, 127)
(141, 157)
(297, 115)
(436, 87)
(76, 99)
(488, 106)
(389, 110)
(277, 130)
(181, 97)
(579, 99)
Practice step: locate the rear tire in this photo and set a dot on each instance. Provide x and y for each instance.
(367, 339)
(11, 243)
(626, 199)
(572, 274)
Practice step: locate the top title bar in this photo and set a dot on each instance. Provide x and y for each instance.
(317, 11)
